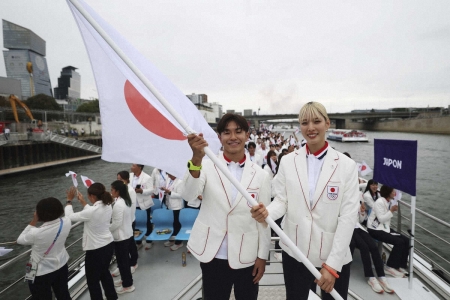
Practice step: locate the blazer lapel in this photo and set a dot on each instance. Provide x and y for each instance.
(301, 169)
(328, 168)
(247, 176)
(226, 184)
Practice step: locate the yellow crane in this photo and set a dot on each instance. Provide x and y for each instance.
(14, 101)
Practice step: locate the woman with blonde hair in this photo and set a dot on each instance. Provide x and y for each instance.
(316, 190)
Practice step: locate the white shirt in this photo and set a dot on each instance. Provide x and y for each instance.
(314, 163)
(120, 227)
(96, 220)
(40, 239)
(236, 170)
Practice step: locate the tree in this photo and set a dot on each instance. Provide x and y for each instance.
(89, 107)
(42, 101)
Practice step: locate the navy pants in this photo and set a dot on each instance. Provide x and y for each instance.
(122, 249)
(219, 278)
(299, 280)
(42, 287)
(97, 270)
(399, 254)
(367, 247)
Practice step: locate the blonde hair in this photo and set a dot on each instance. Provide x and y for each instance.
(312, 110)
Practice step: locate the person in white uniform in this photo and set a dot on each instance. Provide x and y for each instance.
(316, 190)
(231, 246)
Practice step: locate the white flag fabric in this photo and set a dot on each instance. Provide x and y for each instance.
(136, 128)
(74, 178)
(87, 181)
(271, 127)
(365, 169)
(4, 251)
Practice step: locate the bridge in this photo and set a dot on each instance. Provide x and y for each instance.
(340, 119)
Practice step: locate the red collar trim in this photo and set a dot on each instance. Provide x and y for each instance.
(241, 162)
(319, 152)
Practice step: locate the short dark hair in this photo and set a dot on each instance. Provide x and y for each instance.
(227, 118)
(140, 166)
(386, 191)
(347, 154)
(284, 150)
(251, 144)
(49, 209)
(125, 175)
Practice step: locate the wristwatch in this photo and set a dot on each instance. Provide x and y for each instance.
(69, 202)
(193, 167)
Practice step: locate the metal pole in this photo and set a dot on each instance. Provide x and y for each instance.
(411, 250)
(298, 254)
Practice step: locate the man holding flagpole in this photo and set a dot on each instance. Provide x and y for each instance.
(231, 246)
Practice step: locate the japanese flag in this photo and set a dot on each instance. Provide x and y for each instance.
(137, 128)
(365, 169)
(87, 181)
(74, 178)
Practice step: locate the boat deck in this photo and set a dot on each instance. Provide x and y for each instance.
(160, 275)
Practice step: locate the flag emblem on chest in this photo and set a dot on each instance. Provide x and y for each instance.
(332, 192)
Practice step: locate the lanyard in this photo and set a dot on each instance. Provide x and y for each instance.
(57, 235)
(160, 172)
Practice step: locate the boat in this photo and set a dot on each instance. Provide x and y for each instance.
(346, 135)
(163, 274)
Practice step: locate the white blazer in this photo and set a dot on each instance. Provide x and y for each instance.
(382, 213)
(96, 220)
(368, 200)
(145, 199)
(257, 159)
(174, 201)
(323, 232)
(247, 239)
(132, 194)
(120, 227)
(40, 239)
(157, 180)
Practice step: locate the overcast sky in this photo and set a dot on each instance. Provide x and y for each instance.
(275, 55)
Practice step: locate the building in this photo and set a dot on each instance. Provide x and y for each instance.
(248, 112)
(198, 98)
(69, 84)
(218, 110)
(25, 60)
(230, 111)
(10, 86)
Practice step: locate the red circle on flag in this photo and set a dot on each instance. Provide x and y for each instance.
(148, 116)
(332, 190)
(363, 168)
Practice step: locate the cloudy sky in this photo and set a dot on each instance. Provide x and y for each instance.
(273, 55)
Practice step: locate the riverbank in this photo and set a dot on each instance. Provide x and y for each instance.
(429, 125)
(45, 165)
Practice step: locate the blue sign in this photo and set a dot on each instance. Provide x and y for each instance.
(396, 164)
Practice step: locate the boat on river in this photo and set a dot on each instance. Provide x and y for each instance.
(346, 135)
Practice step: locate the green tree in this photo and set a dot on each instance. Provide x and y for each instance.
(42, 101)
(89, 107)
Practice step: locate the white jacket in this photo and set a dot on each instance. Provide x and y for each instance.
(368, 200)
(382, 213)
(120, 227)
(247, 239)
(323, 232)
(158, 179)
(145, 199)
(132, 194)
(96, 220)
(40, 239)
(174, 201)
(257, 159)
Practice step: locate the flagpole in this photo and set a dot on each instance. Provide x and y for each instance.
(411, 250)
(297, 253)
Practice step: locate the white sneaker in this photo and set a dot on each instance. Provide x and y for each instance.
(176, 247)
(393, 272)
(118, 282)
(169, 243)
(404, 271)
(278, 257)
(122, 290)
(133, 268)
(375, 285)
(148, 246)
(385, 285)
(115, 273)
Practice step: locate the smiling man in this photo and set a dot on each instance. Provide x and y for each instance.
(231, 246)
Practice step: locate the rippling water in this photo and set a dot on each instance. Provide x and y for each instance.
(19, 194)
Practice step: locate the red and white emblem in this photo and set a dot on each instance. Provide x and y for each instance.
(332, 192)
(254, 196)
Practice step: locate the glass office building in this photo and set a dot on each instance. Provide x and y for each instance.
(25, 47)
(69, 84)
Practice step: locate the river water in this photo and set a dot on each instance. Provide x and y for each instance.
(20, 193)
